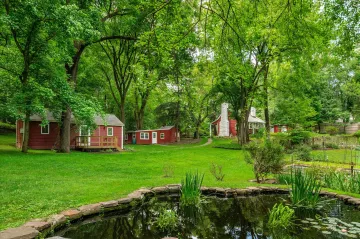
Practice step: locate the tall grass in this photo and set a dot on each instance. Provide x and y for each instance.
(305, 189)
(191, 188)
(280, 217)
(342, 181)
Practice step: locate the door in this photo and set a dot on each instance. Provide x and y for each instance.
(84, 131)
(154, 137)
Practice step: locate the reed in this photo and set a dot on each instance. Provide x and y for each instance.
(305, 189)
(191, 188)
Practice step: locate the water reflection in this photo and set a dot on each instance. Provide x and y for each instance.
(241, 218)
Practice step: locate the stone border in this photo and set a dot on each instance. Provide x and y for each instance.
(41, 227)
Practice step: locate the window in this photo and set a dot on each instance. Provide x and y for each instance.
(45, 129)
(134, 135)
(126, 136)
(110, 131)
(144, 135)
(162, 136)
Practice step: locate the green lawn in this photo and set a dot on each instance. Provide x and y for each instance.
(42, 182)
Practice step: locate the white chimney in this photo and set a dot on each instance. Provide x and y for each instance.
(253, 111)
(224, 123)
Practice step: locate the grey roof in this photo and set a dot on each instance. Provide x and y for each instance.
(253, 119)
(167, 127)
(109, 119)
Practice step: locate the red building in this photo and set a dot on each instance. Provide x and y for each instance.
(279, 128)
(108, 134)
(164, 135)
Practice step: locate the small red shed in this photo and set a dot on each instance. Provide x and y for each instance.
(108, 134)
(164, 135)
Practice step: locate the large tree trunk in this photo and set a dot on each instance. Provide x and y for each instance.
(65, 131)
(266, 99)
(122, 110)
(25, 143)
(243, 127)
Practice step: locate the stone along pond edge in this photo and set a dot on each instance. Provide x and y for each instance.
(41, 227)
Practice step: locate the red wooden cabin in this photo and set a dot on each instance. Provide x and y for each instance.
(164, 135)
(108, 134)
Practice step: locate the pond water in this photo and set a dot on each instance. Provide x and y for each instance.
(238, 218)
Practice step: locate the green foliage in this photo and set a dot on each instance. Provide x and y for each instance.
(7, 126)
(267, 157)
(284, 178)
(357, 134)
(331, 146)
(298, 136)
(305, 189)
(343, 181)
(303, 153)
(332, 130)
(280, 217)
(216, 171)
(167, 220)
(191, 188)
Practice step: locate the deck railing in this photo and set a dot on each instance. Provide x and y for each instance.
(100, 142)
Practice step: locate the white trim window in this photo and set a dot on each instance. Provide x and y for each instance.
(162, 135)
(144, 135)
(126, 136)
(45, 129)
(110, 131)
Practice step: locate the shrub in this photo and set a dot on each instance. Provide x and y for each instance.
(266, 158)
(191, 188)
(305, 189)
(303, 153)
(167, 220)
(259, 134)
(216, 171)
(357, 134)
(7, 126)
(342, 181)
(298, 136)
(316, 146)
(280, 217)
(332, 130)
(331, 146)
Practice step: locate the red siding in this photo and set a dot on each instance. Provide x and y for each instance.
(51, 140)
(169, 136)
(232, 127)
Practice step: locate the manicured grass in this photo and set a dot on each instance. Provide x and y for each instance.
(42, 182)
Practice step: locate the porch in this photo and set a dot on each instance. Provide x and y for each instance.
(96, 142)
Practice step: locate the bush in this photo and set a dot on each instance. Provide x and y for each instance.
(283, 178)
(280, 217)
(303, 153)
(266, 158)
(357, 134)
(216, 171)
(331, 146)
(7, 126)
(316, 146)
(332, 130)
(298, 136)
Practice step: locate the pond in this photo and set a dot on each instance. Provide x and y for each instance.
(239, 218)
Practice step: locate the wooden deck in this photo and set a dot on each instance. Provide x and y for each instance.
(97, 142)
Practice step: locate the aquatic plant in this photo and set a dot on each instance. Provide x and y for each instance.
(191, 188)
(167, 220)
(284, 178)
(305, 189)
(280, 217)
